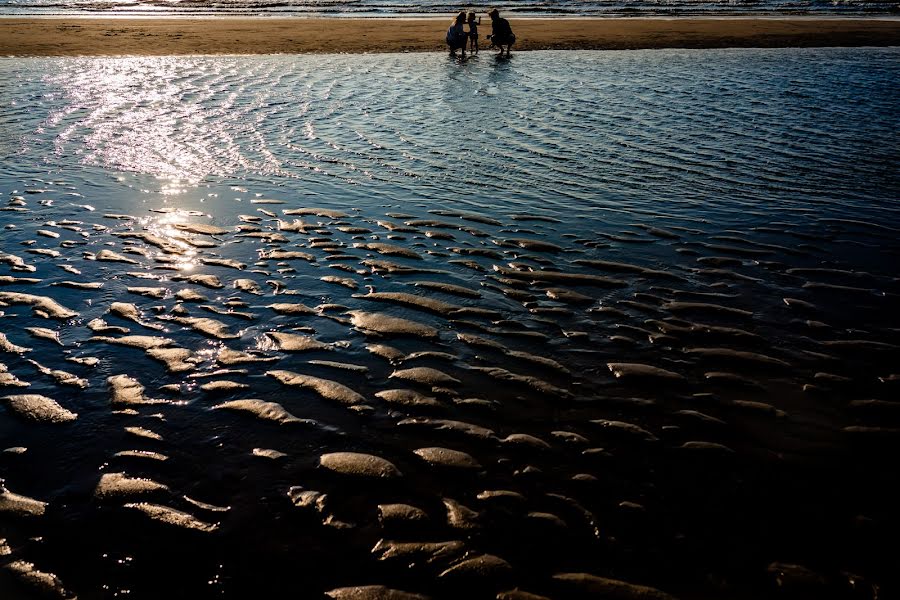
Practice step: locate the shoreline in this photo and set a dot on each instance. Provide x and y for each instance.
(446, 16)
(166, 36)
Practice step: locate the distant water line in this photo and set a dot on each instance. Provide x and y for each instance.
(407, 8)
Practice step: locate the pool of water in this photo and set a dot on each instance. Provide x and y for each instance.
(650, 295)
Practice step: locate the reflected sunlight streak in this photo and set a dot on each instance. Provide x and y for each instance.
(142, 115)
(164, 227)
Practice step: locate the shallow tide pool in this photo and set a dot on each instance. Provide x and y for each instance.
(284, 325)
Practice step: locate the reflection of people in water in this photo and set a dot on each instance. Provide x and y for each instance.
(473, 33)
(501, 32)
(457, 36)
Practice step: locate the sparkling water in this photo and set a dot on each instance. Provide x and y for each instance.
(653, 293)
(394, 8)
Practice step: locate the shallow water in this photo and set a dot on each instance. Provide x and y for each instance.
(727, 216)
(404, 8)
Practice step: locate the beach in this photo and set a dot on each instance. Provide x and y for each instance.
(345, 324)
(180, 36)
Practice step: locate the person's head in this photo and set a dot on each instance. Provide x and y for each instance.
(494, 14)
(460, 18)
(472, 17)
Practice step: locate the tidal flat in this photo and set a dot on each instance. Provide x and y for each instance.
(572, 325)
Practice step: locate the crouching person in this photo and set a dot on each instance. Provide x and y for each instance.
(457, 37)
(501, 32)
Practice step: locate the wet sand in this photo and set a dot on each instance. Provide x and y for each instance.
(105, 37)
(483, 463)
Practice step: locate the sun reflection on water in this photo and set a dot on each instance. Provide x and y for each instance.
(163, 226)
(144, 115)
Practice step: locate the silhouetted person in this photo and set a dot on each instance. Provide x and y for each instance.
(501, 32)
(473, 32)
(457, 36)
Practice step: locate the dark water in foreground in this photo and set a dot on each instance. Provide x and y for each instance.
(725, 220)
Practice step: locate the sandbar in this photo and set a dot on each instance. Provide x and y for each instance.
(68, 36)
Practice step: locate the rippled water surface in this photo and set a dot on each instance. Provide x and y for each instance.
(401, 8)
(649, 321)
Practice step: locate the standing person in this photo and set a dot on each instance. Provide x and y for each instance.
(457, 36)
(473, 33)
(501, 32)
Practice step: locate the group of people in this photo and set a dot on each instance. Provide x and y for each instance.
(458, 38)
